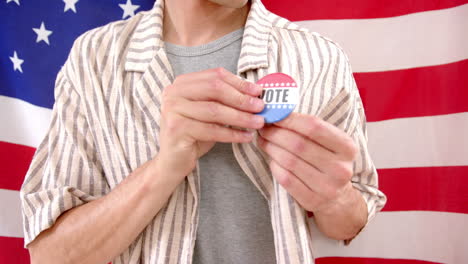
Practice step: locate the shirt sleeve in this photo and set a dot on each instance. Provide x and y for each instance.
(65, 171)
(346, 112)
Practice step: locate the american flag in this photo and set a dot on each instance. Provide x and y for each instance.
(410, 61)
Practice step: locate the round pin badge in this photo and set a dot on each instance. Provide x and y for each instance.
(280, 94)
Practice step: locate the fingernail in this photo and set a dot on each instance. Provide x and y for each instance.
(258, 120)
(248, 134)
(254, 88)
(258, 103)
(258, 88)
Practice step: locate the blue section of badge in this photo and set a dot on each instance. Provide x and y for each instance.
(275, 113)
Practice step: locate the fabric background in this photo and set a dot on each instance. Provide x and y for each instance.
(410, 62)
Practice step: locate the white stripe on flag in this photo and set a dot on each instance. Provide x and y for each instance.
(432, 236)
(414, 40)
(22, 122)
(10, 214)
(419, 141)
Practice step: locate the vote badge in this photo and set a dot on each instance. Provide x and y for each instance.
(280, 94)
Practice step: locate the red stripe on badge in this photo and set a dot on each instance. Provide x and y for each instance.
(349, 260)
(443, 189)
(298, 10)
(425, 91)
(14, 163)
(13, 250)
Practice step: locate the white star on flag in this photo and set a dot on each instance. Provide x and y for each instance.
(17, 62)
(42, 34)
(129, 9)
(70, 5)
(16, 1)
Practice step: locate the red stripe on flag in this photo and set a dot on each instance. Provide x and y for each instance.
(349, 260)
(344, 9)
(14, 163)
(426, 189)
(13, 250)
(434, 90)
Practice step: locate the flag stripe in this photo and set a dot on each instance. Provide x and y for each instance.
(419, 92)
(14, 163)
(25, 124)
(426, 188)
(10, 214)
(356, 9)
(342, 260)
(429, 236)
(382, 44)
(13, 250)
(420, 141)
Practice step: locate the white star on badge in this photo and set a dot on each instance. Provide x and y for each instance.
(17, 62)
(70, 5)
(42, 34)
(129, 9)
(16, 1)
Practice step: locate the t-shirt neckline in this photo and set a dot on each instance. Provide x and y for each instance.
(186, 51)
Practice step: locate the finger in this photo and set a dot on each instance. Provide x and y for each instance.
(216, 133)
(216, 89)
(309, 175)
(321, 132)
(240, 84)
(221, 73)
(213, 112)
(303, 147)
(295, 187)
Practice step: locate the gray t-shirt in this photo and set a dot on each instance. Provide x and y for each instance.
(234, 225)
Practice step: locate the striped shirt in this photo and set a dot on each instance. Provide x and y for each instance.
(106, 118)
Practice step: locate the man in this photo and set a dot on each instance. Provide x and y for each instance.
(153, 156)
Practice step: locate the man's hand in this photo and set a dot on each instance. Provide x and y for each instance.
(195, 110)
(311, 158)
(313, 161)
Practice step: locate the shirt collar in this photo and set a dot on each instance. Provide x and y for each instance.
(147, 38)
